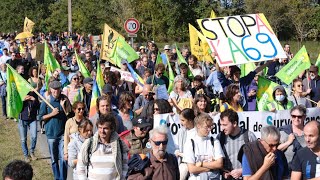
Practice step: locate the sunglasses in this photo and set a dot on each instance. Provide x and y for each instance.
(79, 109)
(144, 128)
(157, 143)
(75, 78)
(295, 116)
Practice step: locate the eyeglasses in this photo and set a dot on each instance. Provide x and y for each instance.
(272, 145)
(157, 143)
(207, 128)
(75, 79)
(79, 109)
(295, 116)
(144, 128)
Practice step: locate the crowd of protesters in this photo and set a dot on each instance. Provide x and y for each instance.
(121, 141)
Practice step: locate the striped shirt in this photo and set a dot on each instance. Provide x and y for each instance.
(103, 164)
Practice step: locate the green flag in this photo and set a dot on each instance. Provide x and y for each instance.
(82, 68)
(299, 63)
(49, 61)
(264, 94)
(182, 60)
(122, 50)
(171, 76)
(99, 77)
(17, 90)
(247, 68)
(318, 64)
(159, 59)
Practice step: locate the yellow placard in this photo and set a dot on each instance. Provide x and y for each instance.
(198, 45)
(108, 41)
(28, 25)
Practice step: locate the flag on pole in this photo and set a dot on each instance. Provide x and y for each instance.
(213, 14)
(17, 90)
(122, 50)
(93, 104)
(159, 59)
(135, 75)
(182, 60)
(49, 61)
(264, 94)
(247, 68)
(299, 63)
(82, 68)
(318, 64)
(108, 41)
(28, 25)
(199, 45)
(99, 77)
(171, 76)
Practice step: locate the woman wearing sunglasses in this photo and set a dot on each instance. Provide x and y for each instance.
(73, 90)
(72, 125)
(297, 98)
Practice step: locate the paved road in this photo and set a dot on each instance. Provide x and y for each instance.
(42, 146)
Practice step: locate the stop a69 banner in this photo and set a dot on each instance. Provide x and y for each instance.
(241, 39)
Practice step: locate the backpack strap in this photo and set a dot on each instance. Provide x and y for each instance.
(246, 136)
(212, 141)
(89, 150)
(192, 142)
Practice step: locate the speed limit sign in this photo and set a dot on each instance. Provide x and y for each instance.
(132, 26)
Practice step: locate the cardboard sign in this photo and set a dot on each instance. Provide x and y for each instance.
(39, 52)
(241, 39)
(125, 75)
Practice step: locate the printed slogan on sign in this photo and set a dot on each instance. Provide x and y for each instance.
(252, 120)
(241, 39)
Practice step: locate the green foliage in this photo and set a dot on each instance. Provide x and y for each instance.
(161, 20)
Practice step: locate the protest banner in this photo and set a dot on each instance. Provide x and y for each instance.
(264, 94)
(125, 75)
(241, 39)
(252, 120)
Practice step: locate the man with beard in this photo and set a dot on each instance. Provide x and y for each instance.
(163, 166)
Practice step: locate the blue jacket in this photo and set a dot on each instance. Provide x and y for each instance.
(54, 126)
(244, 82)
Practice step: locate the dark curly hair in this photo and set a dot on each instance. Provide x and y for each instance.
(124, 98)
(18, 170)
(109, 118)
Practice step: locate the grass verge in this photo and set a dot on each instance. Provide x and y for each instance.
(10, 149)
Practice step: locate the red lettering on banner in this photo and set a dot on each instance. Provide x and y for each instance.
(218, 56)
(258, 21)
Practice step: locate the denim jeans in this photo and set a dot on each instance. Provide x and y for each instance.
(23, 129)
(4, 105)
(56, 153)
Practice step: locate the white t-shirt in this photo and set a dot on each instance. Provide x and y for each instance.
(203, 151)
(4, 58)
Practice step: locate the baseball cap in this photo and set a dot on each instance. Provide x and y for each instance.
(88, 80)
(140, 122)
(107, 88)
